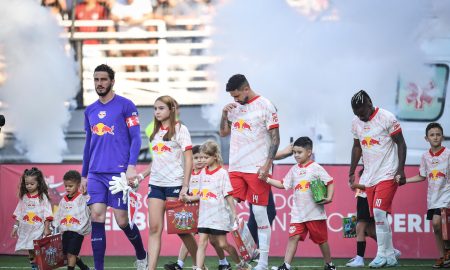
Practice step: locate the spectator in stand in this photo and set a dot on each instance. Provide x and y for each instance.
(133, 14)
(90, 10)
(58, 8)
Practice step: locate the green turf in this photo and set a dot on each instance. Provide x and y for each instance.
(118, 262)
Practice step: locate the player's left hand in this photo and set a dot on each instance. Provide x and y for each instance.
(400, 178)
(183, 192)
(263, 172)
(131, 175)
(119, 184)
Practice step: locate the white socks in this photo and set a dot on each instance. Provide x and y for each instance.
(384, 234)
(264, 233)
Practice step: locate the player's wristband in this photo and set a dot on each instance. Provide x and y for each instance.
(15, 226)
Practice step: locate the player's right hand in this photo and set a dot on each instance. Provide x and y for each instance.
(14, 233)
(229, 107)
(83, 186)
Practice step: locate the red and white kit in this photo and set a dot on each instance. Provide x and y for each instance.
(436, 167)
(31, 212)
(214, 210)
(378, 148)
(167, 166)
(250, 141)
(73, 215)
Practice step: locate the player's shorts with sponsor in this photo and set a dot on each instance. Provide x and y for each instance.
(433, 212)
(98, 190)
(317, 229)
(381, 195)
(162, 193)
(247, 186)
(362, 210)
(71, 242)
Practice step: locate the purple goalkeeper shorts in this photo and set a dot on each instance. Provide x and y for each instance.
(98, 190)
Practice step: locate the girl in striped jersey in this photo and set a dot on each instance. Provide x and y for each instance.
(217, 210)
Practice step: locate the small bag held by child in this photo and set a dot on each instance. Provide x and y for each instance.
(245, 243)
(181, 217)
(318, 190)
(49, 252)
(349, 227)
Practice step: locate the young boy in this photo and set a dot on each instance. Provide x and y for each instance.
(435, 167)
(194, 185)
(306, 215)
(73, 219)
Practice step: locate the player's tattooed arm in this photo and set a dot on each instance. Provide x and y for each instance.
(225, 124)
(274, 134)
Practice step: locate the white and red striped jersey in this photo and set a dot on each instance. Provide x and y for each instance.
(215, 212)
(73, 215)
(31, 212)
(298, 178)
(167, 165)
(436, 167)
(378, 148)
(250, 140)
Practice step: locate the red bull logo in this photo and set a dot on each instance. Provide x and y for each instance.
(69, 221)
(369, 142)
(101, 129)
(32, 218)
(206, 195)
(195, 192)
(160, 148)
(302, 186)
(436, 174)
(241, 125)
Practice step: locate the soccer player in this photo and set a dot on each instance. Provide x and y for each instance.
(306, 214)
(378, 137)
(112, 146)
(435, 166)
(252, 122)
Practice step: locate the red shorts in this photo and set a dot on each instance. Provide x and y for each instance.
(318, 231)
(381, 195)
(247, 186)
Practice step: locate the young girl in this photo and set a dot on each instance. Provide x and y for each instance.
(217, 211)
(169, 173)
(194, 187)
(33, 213)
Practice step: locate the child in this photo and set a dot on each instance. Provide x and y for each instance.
(365, 225)
(435, 167)
(306, 215)
(194, 185)
(170, 172)
(217, 211)
(33, 213)
(73, 220)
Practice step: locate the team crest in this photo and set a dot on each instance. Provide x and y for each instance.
(291, 229)
(366, 128)
(102, 114)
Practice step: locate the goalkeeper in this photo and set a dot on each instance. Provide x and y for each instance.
(306, 214)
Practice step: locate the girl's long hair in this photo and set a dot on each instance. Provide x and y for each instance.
(42, 186)
(211, 148)
(173, 107)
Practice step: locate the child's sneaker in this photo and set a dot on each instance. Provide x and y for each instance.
(34, 266)
(439, 263)
(224, 267)
(378, 262)
(260, 266)
(329, 266)
(447, 258)
(243, 266)
(172, 266)
(397, 253)
(282, 267)
(358, 261)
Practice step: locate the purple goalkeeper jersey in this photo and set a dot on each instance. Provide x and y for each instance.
(113, 137)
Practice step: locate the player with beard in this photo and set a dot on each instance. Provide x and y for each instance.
(112, 146)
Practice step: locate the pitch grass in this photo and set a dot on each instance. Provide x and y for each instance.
(119, 262)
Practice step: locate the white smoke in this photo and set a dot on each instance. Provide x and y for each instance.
(40, 78)
(311, 68)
